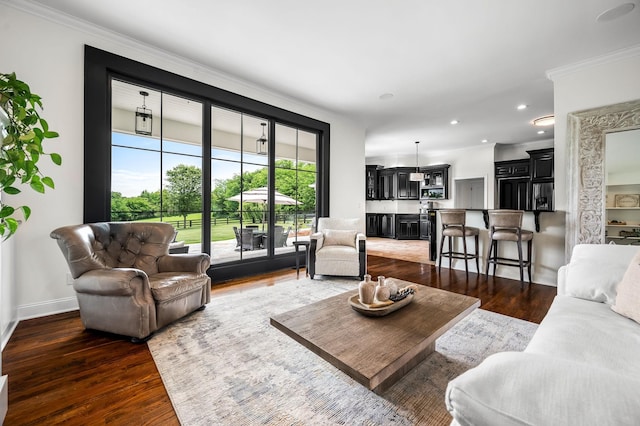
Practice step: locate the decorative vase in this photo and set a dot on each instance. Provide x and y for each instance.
(382, 291)
(367, 290)
(392, 286)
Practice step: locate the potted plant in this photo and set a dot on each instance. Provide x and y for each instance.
(22, 132)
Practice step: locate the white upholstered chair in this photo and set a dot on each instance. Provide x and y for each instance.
(338, 247)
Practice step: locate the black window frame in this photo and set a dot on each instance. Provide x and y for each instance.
(101, 66)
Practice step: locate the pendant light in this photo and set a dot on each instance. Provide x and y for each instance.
(417, 176)
(144, 119)
(261, 144)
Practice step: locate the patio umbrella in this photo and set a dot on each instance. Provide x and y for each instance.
(261, 195)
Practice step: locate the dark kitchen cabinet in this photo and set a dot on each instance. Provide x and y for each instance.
(386, 225)
(514, 193)
(528, 183)
(541, 164)
(511, 169)
(386, 184)
(428, 232)
(542, 179)
(371, 182)
(373, 224)
(435, 185)
(425, 226)
(407, 190)
(408, 226)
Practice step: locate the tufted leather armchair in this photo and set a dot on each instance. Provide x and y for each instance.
(338, 248)
(126, 281)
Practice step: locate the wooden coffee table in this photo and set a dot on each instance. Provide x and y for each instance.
(376, 351)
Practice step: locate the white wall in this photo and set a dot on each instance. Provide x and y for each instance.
(596, 83)
(54, 67)
(599, 82)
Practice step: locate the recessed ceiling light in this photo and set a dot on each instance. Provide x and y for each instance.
(615, 12)
(386, 96)
(454, 122)
(541, 132)
(522, 106)
(547, 120)
(484, 140)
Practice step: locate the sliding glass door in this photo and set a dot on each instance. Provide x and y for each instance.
(238, 178)
(156, 173)
(263, 194)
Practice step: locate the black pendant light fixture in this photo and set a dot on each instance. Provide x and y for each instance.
(416, 176)
(261, 143)
(144, 118)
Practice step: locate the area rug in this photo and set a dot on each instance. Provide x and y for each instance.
(227, 365)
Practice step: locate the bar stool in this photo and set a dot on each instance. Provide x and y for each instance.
(453, 225)
(506, 225)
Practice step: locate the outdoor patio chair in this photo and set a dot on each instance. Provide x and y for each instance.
(280, 236)
(250, 239)
(237, 234)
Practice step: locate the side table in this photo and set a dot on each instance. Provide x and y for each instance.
(305, 245)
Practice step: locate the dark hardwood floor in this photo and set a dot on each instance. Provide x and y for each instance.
(61, 373)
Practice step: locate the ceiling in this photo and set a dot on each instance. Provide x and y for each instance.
(473, 61)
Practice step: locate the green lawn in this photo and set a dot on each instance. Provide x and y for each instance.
(222, 230)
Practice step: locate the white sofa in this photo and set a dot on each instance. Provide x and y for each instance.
(582, 366)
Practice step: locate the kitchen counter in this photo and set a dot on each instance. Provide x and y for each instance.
(485, 215)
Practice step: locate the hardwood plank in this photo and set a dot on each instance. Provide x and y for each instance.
(60, 373)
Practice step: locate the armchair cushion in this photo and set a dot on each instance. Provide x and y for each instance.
(339, 237)
(338, 253)
(169, 285)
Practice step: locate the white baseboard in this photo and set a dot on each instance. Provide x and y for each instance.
(50, 307)
(6, 334)
(4, 398)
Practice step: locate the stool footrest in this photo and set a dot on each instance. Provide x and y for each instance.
(508, 261)
(458, 255)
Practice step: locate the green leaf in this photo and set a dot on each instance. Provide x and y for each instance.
(26, 211)
(37, 185)
(29, 167)
(44, 124)
(56, 158)
(7, 181)
(6, 211)
(12, 224)
(48, 181)
(11, 190)
(51, 134)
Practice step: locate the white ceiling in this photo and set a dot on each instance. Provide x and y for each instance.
(473, 61)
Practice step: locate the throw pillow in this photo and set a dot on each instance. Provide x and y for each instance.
(338, 237)
(595, 271)
(628, 298)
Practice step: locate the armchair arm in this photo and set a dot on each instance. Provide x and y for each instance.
(198, 263)
(317, 239)
(111, 282)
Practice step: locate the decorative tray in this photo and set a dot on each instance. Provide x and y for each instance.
(354, 301)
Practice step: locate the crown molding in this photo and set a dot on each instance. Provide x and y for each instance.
(146, 49)
(616, 55)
